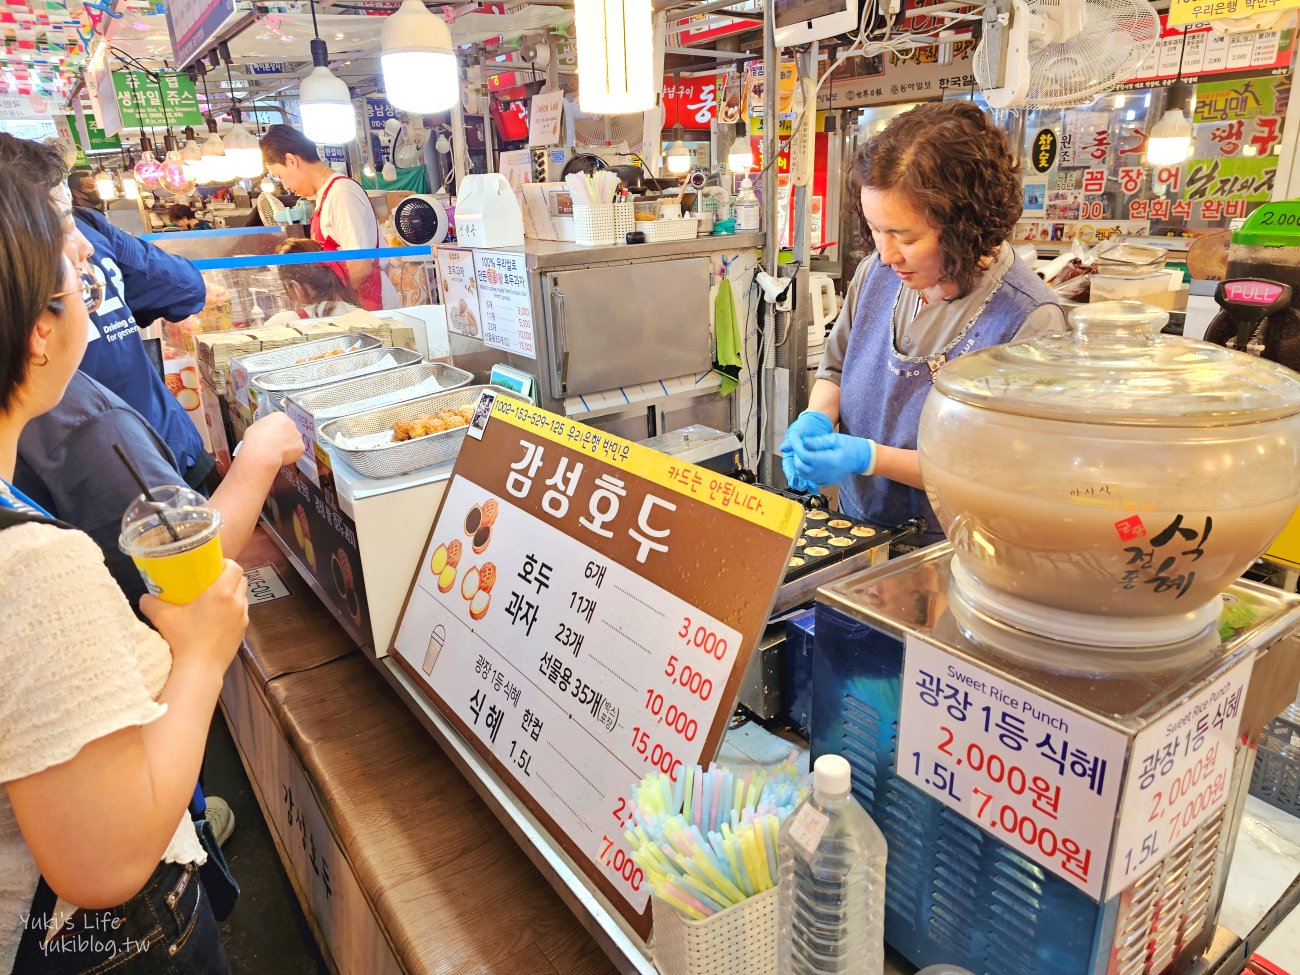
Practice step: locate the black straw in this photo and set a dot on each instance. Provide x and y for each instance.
(126, 461)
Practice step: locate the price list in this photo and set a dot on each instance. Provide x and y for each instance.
(1036, 775)
(1180, 775)
(507, 307)
(565, 619)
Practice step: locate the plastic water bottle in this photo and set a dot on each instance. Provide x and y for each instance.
(832, 897)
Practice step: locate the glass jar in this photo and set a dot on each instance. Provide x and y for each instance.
(1107, 485)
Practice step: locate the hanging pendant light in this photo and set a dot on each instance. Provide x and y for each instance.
(740, 157)
(192, 154)
(148, 169)
(324, 101)
(418, 61)
(680, 159)
(243, 153)
(215, 167)
(269, 185)
(175, 176)
(104, 186)
(615, 56)
(130, 188)
(1170, 141)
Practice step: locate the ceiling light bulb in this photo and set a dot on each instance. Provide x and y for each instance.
(418, 61)
(324, 102)
(243, 154)
(443, 144)
(740, 157)
(104, 186)
(215, 167)
(390, 171)
(368, 171)
(147, 171)
(268, 185)
(679, 159)
(176, 177)
(615, 56)
(130, 189)
(1171, 139)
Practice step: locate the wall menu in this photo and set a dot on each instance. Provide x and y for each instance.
(1040, 777)
(506, 306)
(583, 614)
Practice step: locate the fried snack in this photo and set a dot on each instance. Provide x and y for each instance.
(319, 355)
(839, 541)
(841, 523)
(424, 426)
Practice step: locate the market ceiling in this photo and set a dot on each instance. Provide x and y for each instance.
(43, 46)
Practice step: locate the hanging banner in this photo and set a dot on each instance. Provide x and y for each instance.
(1249, 98)
(170, 101)
(70, 132)
(691, 103)
(1202, 53)
(196, 25)
(755, 84)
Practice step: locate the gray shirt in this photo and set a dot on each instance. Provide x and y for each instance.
(926, 330)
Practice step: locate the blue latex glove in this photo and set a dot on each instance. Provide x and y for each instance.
(832, 457)
(809, 423)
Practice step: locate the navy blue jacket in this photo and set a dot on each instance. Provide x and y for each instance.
(142, 283)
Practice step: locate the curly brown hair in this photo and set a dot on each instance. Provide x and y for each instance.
(958, 169)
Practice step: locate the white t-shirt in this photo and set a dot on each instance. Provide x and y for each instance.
(347, 218)
(78, 665)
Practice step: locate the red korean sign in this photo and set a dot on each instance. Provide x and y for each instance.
(691, 103)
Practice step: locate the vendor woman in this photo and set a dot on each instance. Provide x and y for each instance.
(940, 196)
(344, 219)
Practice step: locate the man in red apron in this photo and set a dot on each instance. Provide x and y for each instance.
(343, 219)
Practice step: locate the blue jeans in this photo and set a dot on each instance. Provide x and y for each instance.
(165, 929)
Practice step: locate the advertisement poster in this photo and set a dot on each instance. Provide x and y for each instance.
(456, 281)
(1035, 198)
(888, 78)
(505, 303)
(755, 90)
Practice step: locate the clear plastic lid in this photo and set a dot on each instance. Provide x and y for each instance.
(1114, 367)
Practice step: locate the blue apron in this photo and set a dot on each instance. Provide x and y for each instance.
(882, 391)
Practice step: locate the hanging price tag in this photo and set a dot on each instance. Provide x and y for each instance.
(1038, 776)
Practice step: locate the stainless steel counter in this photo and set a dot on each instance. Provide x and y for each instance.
(552, 255)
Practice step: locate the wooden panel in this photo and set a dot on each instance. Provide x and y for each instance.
(291, 634)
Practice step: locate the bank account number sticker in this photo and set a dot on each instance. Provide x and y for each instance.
(1036, 775)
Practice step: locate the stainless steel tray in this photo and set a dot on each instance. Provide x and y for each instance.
(340, 399)
(393, 458)
(293, 355)
(280, 382)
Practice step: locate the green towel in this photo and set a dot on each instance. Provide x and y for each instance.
(726, 338)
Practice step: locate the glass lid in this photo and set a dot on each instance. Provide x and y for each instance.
(1114, 367)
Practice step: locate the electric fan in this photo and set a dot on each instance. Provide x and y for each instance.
(270, 209)
(1040, 55)
(421, 219)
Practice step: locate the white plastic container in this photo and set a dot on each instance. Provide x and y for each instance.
(832, 901)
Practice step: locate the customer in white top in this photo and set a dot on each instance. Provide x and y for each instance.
(102, 720)
(344, 219)
(314, 289)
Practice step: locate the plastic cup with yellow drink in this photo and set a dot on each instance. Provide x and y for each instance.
(174, 541)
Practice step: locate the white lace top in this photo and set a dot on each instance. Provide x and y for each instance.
(75, 665)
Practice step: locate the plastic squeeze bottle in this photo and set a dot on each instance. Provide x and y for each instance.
(832, 900)
(746, 208)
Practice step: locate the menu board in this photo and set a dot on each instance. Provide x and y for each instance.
(1180, 775)
(459, 290)
(1038, 776)
(505, 302)
(583, 614)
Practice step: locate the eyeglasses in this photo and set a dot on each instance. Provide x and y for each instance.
(91, 290)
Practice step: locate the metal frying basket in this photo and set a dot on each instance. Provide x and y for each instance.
(281, 382)
(338, 399)
(403, 457)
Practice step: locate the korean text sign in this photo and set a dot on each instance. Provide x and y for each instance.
(583, 614)
(1040, 777)
(1180, 775)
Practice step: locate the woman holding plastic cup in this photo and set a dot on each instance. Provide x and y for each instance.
(102, 720)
